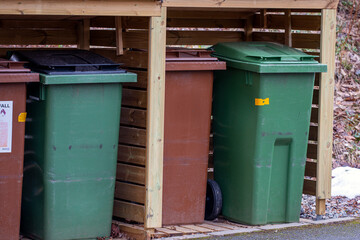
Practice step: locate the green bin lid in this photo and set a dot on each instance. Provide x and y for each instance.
(266, 57)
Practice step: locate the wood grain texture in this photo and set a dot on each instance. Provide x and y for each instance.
(84, 34)
(288, 27)
(129, 211)
(133, 117)
(134, 98)
(119, 36)
(81, 7)
(132, 136)
(133, 231)
(310, 169)
(307, 4)
(131, 174)
(309, 187)
(130, 192)
(326, 98)
(320, 206)
(155, 121)
(9, 36)
(131, 154)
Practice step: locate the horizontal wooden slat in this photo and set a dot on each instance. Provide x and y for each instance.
(202, 37)
(38, 24)
(129, 173)
(132, 59)
(142, 77)
(139, 39)
(312, 151)
(309, 187)
(210, 13)
(129, 211)
(313, 133)
(130, 192)
(131, 154)
(133, 117)
(314, 115)
(298, 22)
(310, 169)
(3, 51)
(310, 41)
(131, 39)
(103, 22)
(81, 7)
(33, 37)
(306, 40)
(133, 136)
(134, 98)
(127, 22)
(289, 4)
(205, 23)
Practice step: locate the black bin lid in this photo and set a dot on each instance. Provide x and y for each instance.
(65, 62)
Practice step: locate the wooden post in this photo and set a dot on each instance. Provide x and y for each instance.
(155, 121)
(263, 18)
(119, 36)
(249, 28)
(84, 34)
(287, 19)
(326, 101)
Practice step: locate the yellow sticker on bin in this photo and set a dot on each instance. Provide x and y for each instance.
(261, 102)
(22, 117)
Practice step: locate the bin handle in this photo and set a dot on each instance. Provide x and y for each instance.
(279, 58)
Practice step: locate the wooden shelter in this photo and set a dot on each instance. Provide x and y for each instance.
(118, 28)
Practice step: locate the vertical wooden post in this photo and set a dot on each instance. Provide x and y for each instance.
(249, 28)
(155, 121)
(119, 36)
(287, 18)
(326, 102)
(263, 18)
(84, 34)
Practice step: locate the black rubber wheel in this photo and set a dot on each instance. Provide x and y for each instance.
(213, 200)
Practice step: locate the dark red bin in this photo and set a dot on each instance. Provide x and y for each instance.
(188, 98)
(13, 78)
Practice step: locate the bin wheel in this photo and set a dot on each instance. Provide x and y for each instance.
(213, 200)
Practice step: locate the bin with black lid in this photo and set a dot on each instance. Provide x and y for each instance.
(71, 145)
(13, 79)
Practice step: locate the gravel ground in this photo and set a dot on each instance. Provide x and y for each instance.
(336, 207)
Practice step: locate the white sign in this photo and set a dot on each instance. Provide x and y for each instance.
(6, 118)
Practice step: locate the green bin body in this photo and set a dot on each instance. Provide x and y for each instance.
(70, 155)
(261, 118)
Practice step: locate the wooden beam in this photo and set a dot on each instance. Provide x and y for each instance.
(326, 102)
(119, 36)
(84, 34)
(129, 211)
(155, 121)
(287, 4)
(81, 7)
(287, 19)
(263, 18)
(249, 28)
(320, 206)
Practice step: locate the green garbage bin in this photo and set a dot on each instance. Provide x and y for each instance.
(71, 144)
(261, 116)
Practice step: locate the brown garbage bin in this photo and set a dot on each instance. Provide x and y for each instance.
(13, 78)
(188, 98)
